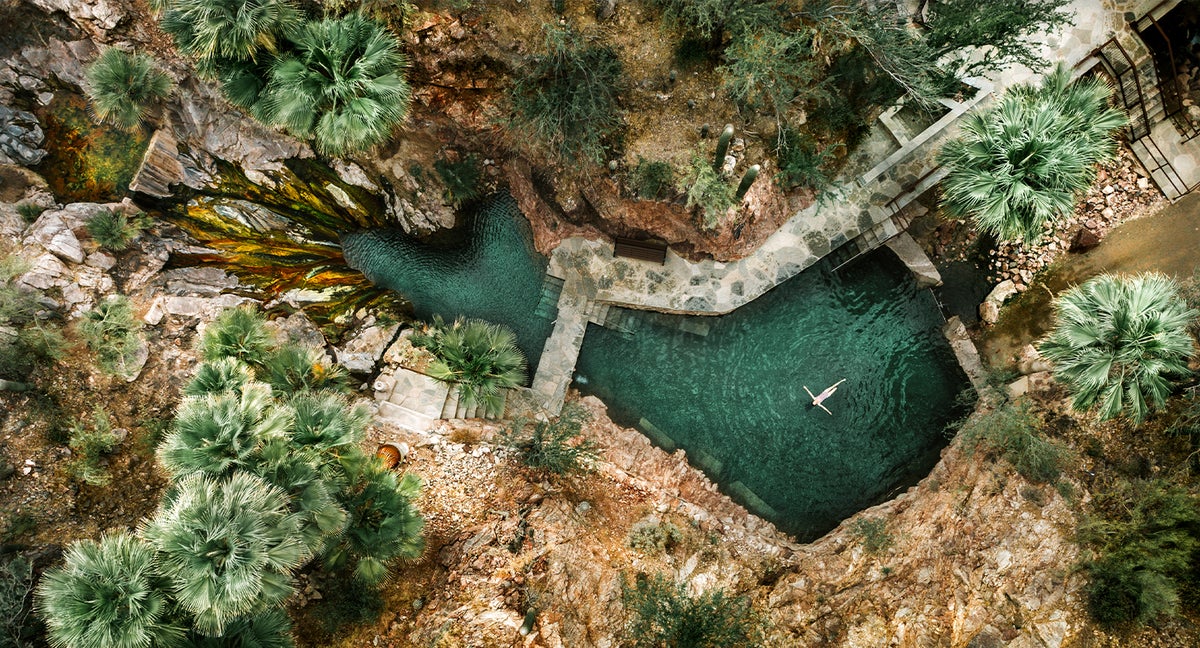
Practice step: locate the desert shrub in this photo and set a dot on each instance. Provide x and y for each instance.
(873, 533)
(113, 230)
(1012, 433)
(292, 369)
(113, 334)
(652, 179)
(237, 333)
(801, 162)
(555, 446)
(90, 444)
(653, 536)
(707, 190)
(773, 70)
(662, 614)
(709, 19)
(16, 587)
(565, 100)
(462, 178)
(122, 85)
(1144, 537)
(29, 212)
(480, 357)
(27, 339)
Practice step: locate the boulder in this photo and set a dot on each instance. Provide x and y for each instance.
(205, 308)
(989, 310)
(46, 272)
(55, 235)
(20, 137)
(203, 281)
(914, 258)
(298, 329)
(100, 15)
(360, 354)
(1085, 239)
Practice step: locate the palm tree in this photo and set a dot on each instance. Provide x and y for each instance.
(219, 376)
(293, 368)
(327, 422)
(236, 30)
(384, 524)
(1116, 341)
(237, 333)
(227, 546)
(269, 629)
(122, 85)
(481, 357)
(344, 84)
(311, 479)
(106, 595)
(220, 433)
(1024, 162)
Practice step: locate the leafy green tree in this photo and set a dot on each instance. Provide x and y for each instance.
(122, 85)
(554, 446)
(293, 369)
(107, 594)
(228, 547)
(236, 30)
(383, 526)
(1023, 163)
(480, 357)
(343, 82)
(566, 100)
(27, 339)
(982, 38)
(113, 334)
(662, 614)
(1117, 339)
(237, 333)
(220, 433)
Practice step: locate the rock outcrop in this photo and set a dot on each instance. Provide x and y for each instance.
(20, 137)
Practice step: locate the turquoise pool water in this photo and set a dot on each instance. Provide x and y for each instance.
(488, 270)
(727, 389)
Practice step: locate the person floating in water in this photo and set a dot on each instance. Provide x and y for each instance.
(820, 398)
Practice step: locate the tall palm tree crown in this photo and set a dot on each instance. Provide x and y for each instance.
(1117, 339)
(1024, 162)
(236, 30)
(106, 595)
(343, 83)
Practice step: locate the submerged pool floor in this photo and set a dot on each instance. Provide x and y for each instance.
(729, 389)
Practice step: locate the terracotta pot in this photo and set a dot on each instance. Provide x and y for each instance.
(391, 454)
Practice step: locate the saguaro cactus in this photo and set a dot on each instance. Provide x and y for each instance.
(747, 180)
(722, 147)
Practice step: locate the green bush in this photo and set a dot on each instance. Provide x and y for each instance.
(342, 82)
(29, 212)
(709, 19)
(113, 334)
(218, 377)
(652, 536)
(565, 100)
(239, 333)
(652, 179)
(801, 163)
(220, 433)
(90, 444)
(384, 524)
(28, 340)
(707, 190)
(214, 31)
(122, 85)
(462, 178)
(113, 230)
(1011, 432)
(1144, 537)
(480, 357)
(662, 614)
(773, 70)
(873, 533)
(16, 585)
(554, 446)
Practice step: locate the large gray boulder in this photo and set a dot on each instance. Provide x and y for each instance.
(20, 138)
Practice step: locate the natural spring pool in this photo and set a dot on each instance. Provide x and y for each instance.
(728, 389)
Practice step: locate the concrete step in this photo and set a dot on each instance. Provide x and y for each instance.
(403, 417)
(597, 312)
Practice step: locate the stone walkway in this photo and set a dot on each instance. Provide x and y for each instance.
(862, 216)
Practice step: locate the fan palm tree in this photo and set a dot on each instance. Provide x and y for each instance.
(237, 30)
(220, 433)
(343, 83)
(1117, 339)
(237, 333)
(481, 357)
(219, 376)
(122, 85)
(311, 480)
(1024, 162)
(106, 595)
(227, 546)
(292, 368)
(326, 421)
(269, 629)
(384, 524)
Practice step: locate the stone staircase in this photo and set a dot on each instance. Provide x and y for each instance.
(414, 401)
